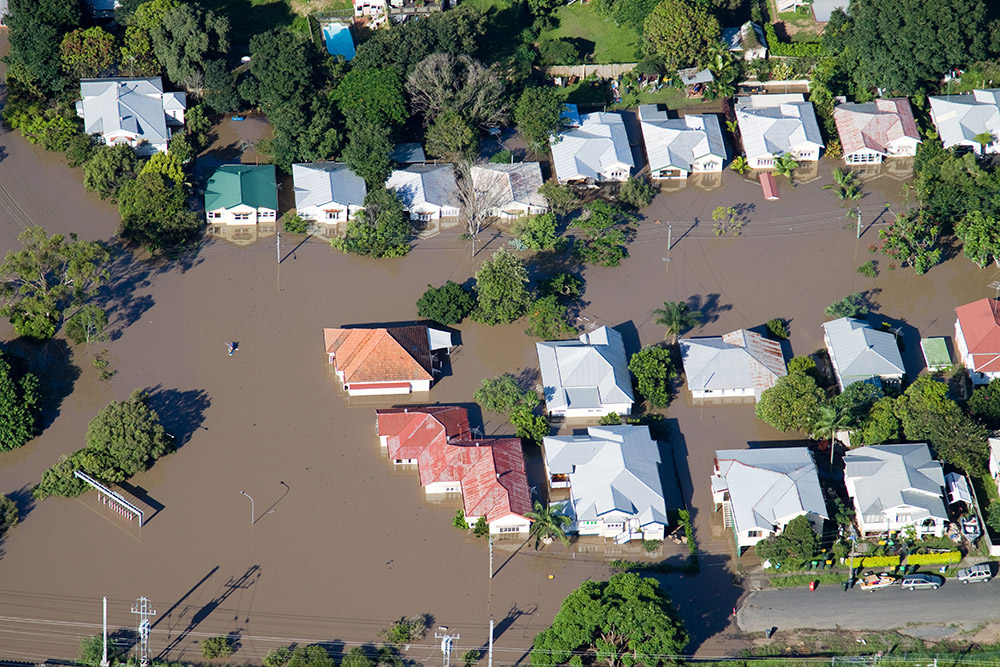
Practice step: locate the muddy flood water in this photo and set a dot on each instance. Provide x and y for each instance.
(339, 545)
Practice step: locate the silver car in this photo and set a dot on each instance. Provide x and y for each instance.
(976, 573)
(922, 580)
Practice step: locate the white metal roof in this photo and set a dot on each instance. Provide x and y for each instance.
(739, 360)
(425, 184)
(959, 118)
(587, 373)
(135, 106)
(774, 124)
(612, 468)
(888, 476)
(324, 183)
(586, 151)
(768, 486)
(679, 142)
(518, 182)
(860, 352)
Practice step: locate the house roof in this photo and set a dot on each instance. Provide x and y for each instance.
(135, 106)
(395, 354)
(768, 486)
(514, 183)
(323, 183)
(874, 125)
(612, 468)
(242, 184)
(887, 476)
(774, 124)
(418, 184)
(691, 76)
(408, 153)
(588, 150)
(409, 431)
(679, 142)
(747, 37)
(959, 118)
(980, 323)
(587, 373)
(738, 360)
(861, 352)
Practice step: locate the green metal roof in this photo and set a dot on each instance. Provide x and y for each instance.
(935, 353)
(235, 184)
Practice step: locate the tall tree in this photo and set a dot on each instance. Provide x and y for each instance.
(654, 371)
(36, 30)
(20, 400)
(367, 151)
(678, 34)
(87, 53)
(677, 317)
(501, 289)
(624, 622)
(980, 235)
(548, 523)
(382, 229)
(108, 168)
(376, 94)
(186, 37)
(462, 84)
(791, 404)
(539, 116)
(480, 195)
(154, 212)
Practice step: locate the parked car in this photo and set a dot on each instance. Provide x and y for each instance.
(873, 582)
(976, 573)
(922, 580)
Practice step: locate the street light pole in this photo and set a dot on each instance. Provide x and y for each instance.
(251, 506)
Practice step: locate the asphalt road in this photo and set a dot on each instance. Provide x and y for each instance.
(829, 607)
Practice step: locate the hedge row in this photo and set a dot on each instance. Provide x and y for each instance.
(794, 49)
(878, 561)
(934, 559)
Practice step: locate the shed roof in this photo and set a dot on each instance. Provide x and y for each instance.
(861, 352)
(323, 183)
(408, 153)
(586, 151)
(887, 476)
(242, 184)
(587, 373)
(774, 124)
(740, 359)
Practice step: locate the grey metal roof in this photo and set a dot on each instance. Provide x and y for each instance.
(408, 153)
(822, 9)
(692, 75)
(584, 152)
(612, 468)
(679, 142)
(425, 183)
(959, 118)
(742, 359)
(587, 373)
(323, 183)
(135, 106)
(748, 36)
(518, 182)
(887, 476)
(769, 485)
(860, 352)
(773, 124)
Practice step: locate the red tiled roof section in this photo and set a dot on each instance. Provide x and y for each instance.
(380, 355)
(409, 431)
(980, 322)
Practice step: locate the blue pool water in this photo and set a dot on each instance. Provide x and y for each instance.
(339, 41)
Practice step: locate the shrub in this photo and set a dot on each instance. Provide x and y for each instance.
(504, 156)
(651, 545)
(292, 223)
(8, 514)
(406, 630)
(868, 269)
(877, 561)
(538, 232)
(778, 329)
(481, 528)
(218, 647)
(802, 364)
(448, 304)
(277, 657)
(851, 305)
(459, 520)
(793, 49)
(636, 192)
(548, 319)
(470, 657)
(934, 559)
(654, 373)
(565, 286)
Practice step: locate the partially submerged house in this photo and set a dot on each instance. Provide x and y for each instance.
(489, 473)
(894, 487)
(428, 192)
(977, 337)
(597, 151)
(737, 364)
(510, 190)
(760, 490)
(613, 474)
(747, 41)
(676, 147)
(968, 120)
(379, 361)
(873, 131)
(588, 377)
(327, 192)
(776, 125)
(131, 111)
(861, 353)
(242, 194)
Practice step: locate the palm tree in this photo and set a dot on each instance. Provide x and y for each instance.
(548, 523)
(677, 317)
(841, 179)
(784, 165)
(828, 420)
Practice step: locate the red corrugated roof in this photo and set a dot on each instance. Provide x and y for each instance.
(980, 322)
(860, 129)
(380, 355)
(768, 185)
(409, 431)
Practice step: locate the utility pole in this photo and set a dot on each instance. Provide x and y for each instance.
(447, 641)
(144, 611)
(491, 559)
(104, 654)
(277, 236)
(857, 210)
(670, 237)
(490, 663)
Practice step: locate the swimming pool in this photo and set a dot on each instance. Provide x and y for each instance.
(339, 41)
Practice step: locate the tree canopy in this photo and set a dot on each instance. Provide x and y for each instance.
(382, 229)
(791, 404)
(502, 295)
(374, 93)
(624, 622)
(678, 34)
(448, 304)
(20, 400)
(797, 543)
(36, 29)
(442, 82)
(654, 373)
(185, 38)
(538, 115)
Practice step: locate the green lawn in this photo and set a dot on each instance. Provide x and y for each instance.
(599, 39)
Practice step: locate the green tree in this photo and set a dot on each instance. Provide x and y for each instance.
(502, 295)
(566, 286)
(449, 136)
(560, 198)
(827, 420)
(185, 38)
(539, 115)
(357, 657)
(382, 229)
(375, 94)
(548, 523)
(502, 394)
(80, 148)
(558, 52)
(47, 276)
(109, 168)
(218, 647)
(791, 404)
(923, 400)
(677, 317)
(154, 212)
(637, 192)
(8, 514)
(220, 87)
(87, 324)
(277, 657)
(165, 164)
(529, 426)
(881, 424)
(20, 402)
(802, 364)
(984, 404)
(36, 28)
(912, 240)
(607, 230)
(92, 651)
(548, 319)
(851, 305)
(797, 543)
(367, 151)
(856, 402)
(87, 53)
(615, 622)
(654, 373)
(538, 232)
(52, 127)
(777, 328)
(980, 235)
(785, 165)
(313, 655)
(678, 34)
(449, 304)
